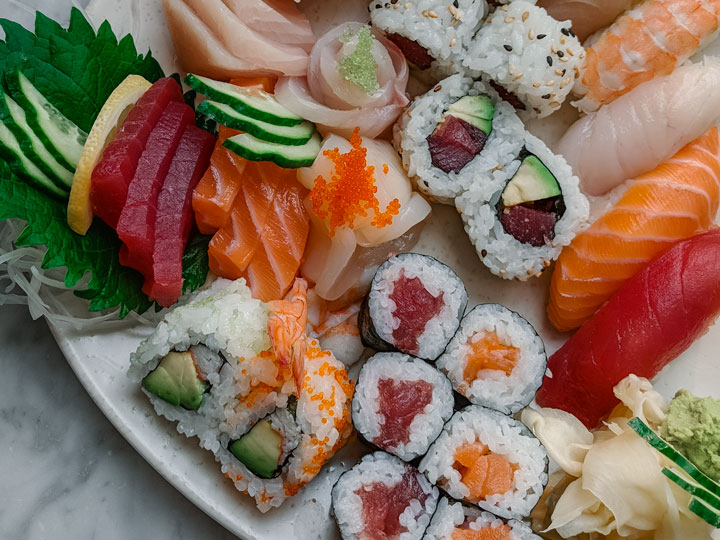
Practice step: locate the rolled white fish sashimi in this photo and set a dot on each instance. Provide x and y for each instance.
(587, 16)
(279, 20)
(214, 40)
(643, 128)
(338, 105)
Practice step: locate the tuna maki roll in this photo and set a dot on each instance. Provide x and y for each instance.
(490, 460)
(401, 404)
(454, 521)
(432, 34)
(529, 57)
(457, 134)
(496, 359)
(414, 306)
(520, 222)
(384, 498)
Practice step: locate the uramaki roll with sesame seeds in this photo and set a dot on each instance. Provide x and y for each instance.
(529, 57)
(520, 224)
(432, 34)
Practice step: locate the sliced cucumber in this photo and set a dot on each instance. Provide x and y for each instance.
(13, 116)
(693, 488)
(252, 102)
(705, 512)
(288, 157)
(62, 138)
(227, 116)
(11, 152)
(659, 444)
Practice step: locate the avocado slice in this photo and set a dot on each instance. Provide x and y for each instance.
(477, 111)
(176, 381)
(260, 449)
(533, 181)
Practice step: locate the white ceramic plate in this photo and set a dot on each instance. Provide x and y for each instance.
(101, 360)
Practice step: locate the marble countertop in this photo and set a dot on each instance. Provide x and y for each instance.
(65, 472)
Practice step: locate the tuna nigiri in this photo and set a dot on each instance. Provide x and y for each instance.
(648, 41)
(587, 16)
(638, 131)
(677, 200)
(648, 323)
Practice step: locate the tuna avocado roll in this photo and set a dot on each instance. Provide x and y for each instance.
(520, 222)
(401, 404)
(457, 134)
(496, 359)
(455, 521)
(383, 498)
(414, 306)
(490, 460)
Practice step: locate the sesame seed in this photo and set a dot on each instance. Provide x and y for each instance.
(553, 49)
(549, 60)
(489, 20)
(562, 41)
(567, 81)
(569, 51)
(554, 104)
(511, 69)
(546, 96)
(564, 59)
(553, 94)
(509, 19)
(432, 14)
(518, 76)
(541, 36)
(508, 48)
(582, 55)
(560, 54)
(565, 31)
(525, 16)
(504, 8)
(438, 88)
(559, 72)
(531, 34)
(536, 85)
(452, 9)
(453, 41)
(551, 83)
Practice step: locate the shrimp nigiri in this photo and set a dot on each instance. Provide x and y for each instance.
(587, 16)
(648, 41)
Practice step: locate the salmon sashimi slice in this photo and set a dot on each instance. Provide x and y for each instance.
(645, 42)
(113, 174)
(136, 226)
(174, 215)
(265, 237)
(215, 193)
(501, 532)
(677, 200)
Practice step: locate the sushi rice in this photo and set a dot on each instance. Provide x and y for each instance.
(427, 424)
(502, 435)
(419, 121)
(502, 253)
(529, 54)
(493, 388)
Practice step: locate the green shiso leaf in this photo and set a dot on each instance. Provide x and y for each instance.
(359, 66)
(77, 69)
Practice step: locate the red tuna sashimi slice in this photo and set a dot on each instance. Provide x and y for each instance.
(656, 316)
(400, 402)
(383, 505)
(136, 226)
(111, 177)
(174, 215)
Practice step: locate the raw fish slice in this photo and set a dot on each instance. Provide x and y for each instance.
(646, 42)
(112, 175)
(656, 316)
(215, 193)
(199, 50)
(242, 41)
(675, 201)
(277, 19)
(286, 326)
(136, 226)
(643, 128)
(587, 16)
(174, 215)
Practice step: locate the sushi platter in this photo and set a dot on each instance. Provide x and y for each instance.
(465, 212)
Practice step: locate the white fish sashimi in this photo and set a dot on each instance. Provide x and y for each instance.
(643, 128)
(279, 20)
(587, 16)
(337, 105)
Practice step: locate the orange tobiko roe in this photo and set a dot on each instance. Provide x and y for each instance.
(483, 472)
(489, 352)
(351, 190)
(486, 533)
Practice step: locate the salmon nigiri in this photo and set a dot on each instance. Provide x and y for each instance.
(648, 41)
(675, 201)
(587, 16)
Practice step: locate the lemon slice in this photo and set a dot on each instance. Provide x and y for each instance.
(111, 117)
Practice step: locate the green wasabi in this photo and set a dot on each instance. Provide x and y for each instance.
(359, 66)
(692, 426)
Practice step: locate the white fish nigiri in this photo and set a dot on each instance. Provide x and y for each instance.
(643, 128)
(587, 16)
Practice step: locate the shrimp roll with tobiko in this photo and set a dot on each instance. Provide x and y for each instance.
(490, 460)
(401, 404)
(496, 359)
(414, 306)
(454, 521)
(383, 498)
